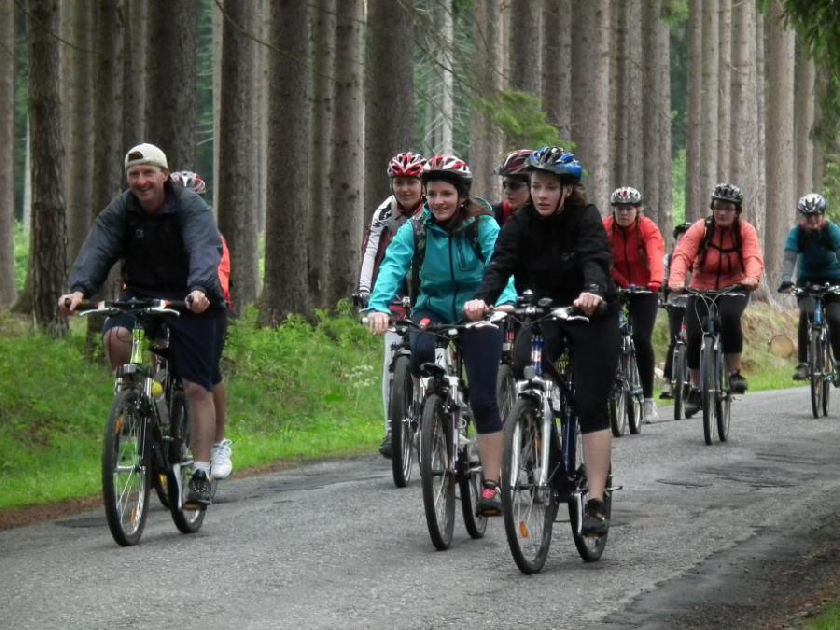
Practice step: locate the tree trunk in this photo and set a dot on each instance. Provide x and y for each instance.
(694, 206)
(818, 173)
(218, 38)
(76, 89)
(803, 122)
(709, 100)
(236, 178)
(526, 47)
(665, 173)
(590, 87)
(761, 116)
(135, 43)
(743, 164)
(171, 80)
(389, 79)
(557, 71)
(635, 115)
(486, 142)
(320, 188)
(260, 106)
(780, 145)
(649, 153)
(620, 104)
(286, 287)
(442, 45)
(348, 151)
(48, 243)
(7, 160)
(724, 21)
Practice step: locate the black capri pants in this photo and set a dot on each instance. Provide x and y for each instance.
(643, 310)
(831, 313)
(730, 309)
(594, 348)
(482, 348)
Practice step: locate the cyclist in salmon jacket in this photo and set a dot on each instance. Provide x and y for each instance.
(405, 170)
(638, 255)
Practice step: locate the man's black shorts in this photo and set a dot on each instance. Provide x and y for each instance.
(195, 343)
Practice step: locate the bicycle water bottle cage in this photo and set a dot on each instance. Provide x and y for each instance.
(431, 369)
(129, 369)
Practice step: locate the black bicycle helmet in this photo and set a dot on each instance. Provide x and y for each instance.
(729, 193)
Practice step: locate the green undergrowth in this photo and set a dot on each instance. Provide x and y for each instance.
(295, 393)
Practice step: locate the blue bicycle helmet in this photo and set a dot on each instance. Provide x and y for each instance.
(558, 161)
(811, 204)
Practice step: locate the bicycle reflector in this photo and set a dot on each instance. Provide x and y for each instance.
(424, 323)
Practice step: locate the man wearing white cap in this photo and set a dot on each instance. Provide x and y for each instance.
(171, 248)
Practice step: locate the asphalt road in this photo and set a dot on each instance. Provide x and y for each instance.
(700, 535)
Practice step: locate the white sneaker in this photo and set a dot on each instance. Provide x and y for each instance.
(651, 411)
(220, 464)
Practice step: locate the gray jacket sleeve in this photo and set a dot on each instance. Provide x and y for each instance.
(203, 244)
(787, 266)
(102, 248)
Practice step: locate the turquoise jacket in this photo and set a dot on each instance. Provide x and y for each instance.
(451, 270)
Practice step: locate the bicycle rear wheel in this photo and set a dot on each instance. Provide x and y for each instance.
(619, 397)
(635, 403)
(707, 365)
(469, 485)
(529, 508)
(829, 376)
(187, 519)
(399, 411)
(589, 547)
(723, 400)
(435, 471)
(815, 364)
(679, 381)
(126, 467)
(505, 389)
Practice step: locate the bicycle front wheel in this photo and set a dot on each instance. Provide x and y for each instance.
(399, 411)
(126, 467)
(187, 519)
(529, 506)
(707, 361)
(816, 366)
(723, 400)
(590, 547)
(619, 397)
(505, 389)
(829, 376)
(436, 471)
(635, 404)
(679, 381)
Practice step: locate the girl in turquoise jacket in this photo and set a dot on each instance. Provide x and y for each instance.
(444, 252)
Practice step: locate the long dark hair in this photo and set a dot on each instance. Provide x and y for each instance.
(469, 207)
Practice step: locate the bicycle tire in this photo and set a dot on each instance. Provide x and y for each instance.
(160, 482)
(679, 382)
(126, 467)
(187, 519)
(591, 547)
(399, 411)
(723, 400)
(437, 479)
(815, 356)
(829, 376)
(636, 402)
(618, 401)
(707, 393)
(469, 485)
(528, 511)
(505, 389)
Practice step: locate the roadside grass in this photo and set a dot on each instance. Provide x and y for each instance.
(828, 619)
(295, 393)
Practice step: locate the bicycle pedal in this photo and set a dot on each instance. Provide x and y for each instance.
(613, 489)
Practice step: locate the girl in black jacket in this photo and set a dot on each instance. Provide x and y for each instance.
(558, 247)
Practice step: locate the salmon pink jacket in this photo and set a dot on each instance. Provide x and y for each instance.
(721, 265)
(638, 253)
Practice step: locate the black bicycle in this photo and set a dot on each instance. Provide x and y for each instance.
(820, 366)
(543, 453)
(147, 437)
(404, 407)
(715, 393)
(506, 381)
(680, 379)
(626, 401)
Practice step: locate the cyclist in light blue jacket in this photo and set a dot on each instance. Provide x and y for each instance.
(443, 252)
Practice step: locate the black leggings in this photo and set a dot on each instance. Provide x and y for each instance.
(675, 321)
(643, 310)
(831, 313)
(482, 348)
(730, 309)
(595, 350)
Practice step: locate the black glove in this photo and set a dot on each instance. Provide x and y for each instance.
(364, 299)
(786, 284)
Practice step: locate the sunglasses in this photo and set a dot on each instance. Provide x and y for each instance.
(513, 186)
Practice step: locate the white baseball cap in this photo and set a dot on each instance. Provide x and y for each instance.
(145, 154)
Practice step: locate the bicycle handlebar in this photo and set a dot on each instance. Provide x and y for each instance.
(816, 290)
(134, 306)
